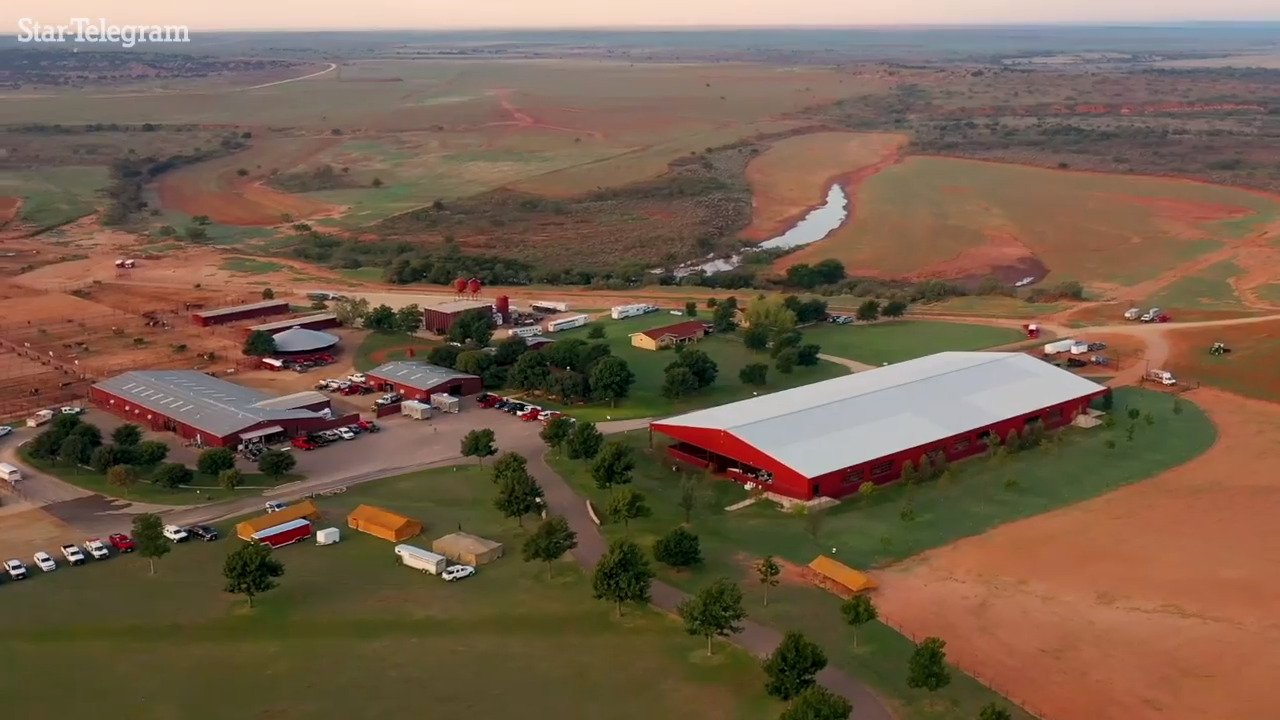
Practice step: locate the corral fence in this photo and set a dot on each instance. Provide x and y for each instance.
(987, 682)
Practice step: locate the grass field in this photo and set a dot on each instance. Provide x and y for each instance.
(1210, 289)
(251, 266)
(1249, 369)
(54, 195)
(979, 305)
(349, 633)
(646, 395)
(890, 342)
(377, 348)
(942, 216)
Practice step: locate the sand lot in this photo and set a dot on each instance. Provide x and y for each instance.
(1155, 601)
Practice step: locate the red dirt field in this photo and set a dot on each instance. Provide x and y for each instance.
(9, 209)
(1003, 255)
(1156, 601)
(1250, 368)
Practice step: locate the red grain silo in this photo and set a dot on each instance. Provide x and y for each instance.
(503, 307)
(473, 286)
(460, 285)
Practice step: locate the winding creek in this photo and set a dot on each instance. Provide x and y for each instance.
(816, 225)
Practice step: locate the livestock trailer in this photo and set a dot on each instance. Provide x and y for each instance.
(526, 332)
(284, 534)
(574, 321)
(548, 307)
(328, 536)
(419, 559)
(445, 403)
(1059, 346)
(416, 410)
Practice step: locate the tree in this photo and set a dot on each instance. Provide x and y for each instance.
(690, 494)
(474, 362)
(127, 435)
(756, 338)
(444, 355)
(613, 465)
(596, 332)
(754, 374)
(928, 665)
(869, 311)
(772, 314)
(172, 475)
(518, 495)
(858, 611)
(556, 432)
(724, 319)
(784, 340)
(479, 444)
(611, 379)
(250, 570)
(679, 382)
(510, 465)
(215, 460)
(691, 308)
(149, 539)
(106, 456)
(622, 575)
(75, 449)
(123, 477)
(704, 369)
(91, 434)
(351, 311)
(817, 703)
(151, 453)
(260, 343)
(230, 479)
(474, 326)
(550, 541)
(381, 319)
(768, 570)
(678, 549)
(992, 711)
(409, 319)
(276, 463)
(531, 372)
(627, 504)
(786, 361)
(509, 351)
(808, 355)
(793, 665)
(866, 490)
(894, 309)
(570, 386)
(714, 611)
(584, 442)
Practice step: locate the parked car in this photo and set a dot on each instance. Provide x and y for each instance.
(330, 435)
(1076, 362)
(96, 549)
(358, 378)
(345, 434)
(502, 405)
(485, 397)
(547, 415)
(121, 542)
(354, 428)
(5, 430)
(517, 408)
(204, 532)
(45, 561)
(274, 506)
(457, 572)
(176, 533)
(531, 414)
(369, 426)
(71, 410)
(16, 568)
(302, 443)
(72, 554)
(1096, 346)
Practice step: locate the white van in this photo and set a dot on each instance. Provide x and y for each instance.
(10, 473)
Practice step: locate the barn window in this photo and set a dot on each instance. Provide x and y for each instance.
(855, 476)
(961, 445)
(883, 468)
(934, 455)
(1055, 414)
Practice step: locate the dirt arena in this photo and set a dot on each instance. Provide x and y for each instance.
(25, 530)
(1157, 600)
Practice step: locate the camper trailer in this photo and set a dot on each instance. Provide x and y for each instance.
(416, 410)
(419, 559)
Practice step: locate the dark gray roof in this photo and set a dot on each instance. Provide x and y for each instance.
(417, 375)
(303, 340)
(294, 322)
(241, 308)
(206, 403)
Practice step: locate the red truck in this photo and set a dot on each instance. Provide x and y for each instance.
(302, 443)
(284, 534)
(121, 542)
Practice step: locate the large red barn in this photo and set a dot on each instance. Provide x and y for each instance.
(219, 316)
(211, 411)
(440, 317)
(828, 438)
(419, 381)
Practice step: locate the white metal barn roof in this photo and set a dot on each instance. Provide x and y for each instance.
(827, 426)
(417, 375)
(300, 339)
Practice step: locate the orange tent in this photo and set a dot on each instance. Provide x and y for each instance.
(297, 511)
(841, 574)
(383, 523)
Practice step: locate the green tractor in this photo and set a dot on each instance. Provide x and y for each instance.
(1219, 349)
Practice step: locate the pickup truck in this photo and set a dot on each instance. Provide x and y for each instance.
(94, 547)
(121, 542)
(44, 562)
(73, 554)
(16, 569)
(175, 533)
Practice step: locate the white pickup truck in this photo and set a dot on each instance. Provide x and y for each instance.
(175, 533)
(97, 549)
(16, 569)
(73, 554)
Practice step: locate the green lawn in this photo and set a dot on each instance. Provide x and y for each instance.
(1210, 289)
(974, 500)
(253, 266)
(351, 634)
(378, 347)
(54, 195)
(646, 395)
(203, 488)
(890, 342)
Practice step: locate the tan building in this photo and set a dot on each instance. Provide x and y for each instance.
(689, 331)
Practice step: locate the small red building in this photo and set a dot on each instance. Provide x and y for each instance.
(219, 316)
(440, 317)
(211, 411)
(419, 381)
(828, 438)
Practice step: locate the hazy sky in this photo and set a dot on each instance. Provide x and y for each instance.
(428, 14)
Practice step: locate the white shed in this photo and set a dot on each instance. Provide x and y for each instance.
(328, 536)
(416, 410)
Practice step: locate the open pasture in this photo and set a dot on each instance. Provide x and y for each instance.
(948, 218)
(1249, 369)
(895, 341)
(50, 196)
(1150, 617)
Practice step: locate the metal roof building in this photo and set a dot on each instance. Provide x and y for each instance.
(204, 408)
(318, 321)
(233, 313)
(829, 437)
(302, 340)
(419, 381)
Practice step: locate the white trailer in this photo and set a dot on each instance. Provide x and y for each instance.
(419, 559)
(574, 321)
(1059, 346)
(1133, 313)
(1079, 347)
(416, 410)
(548, 307)
(446, 403)
(10, 473)
(1164, 377)
(328, 536)
(621, 312)
(40, 418)
(526, 332)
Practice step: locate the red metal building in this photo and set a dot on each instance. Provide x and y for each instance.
(219, 316)
(319, 321)
(419, 381)
(828, 438)
(213, 412)
(439, 318)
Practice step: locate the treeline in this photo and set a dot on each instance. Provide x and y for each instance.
(129, 175)
(324, 177)
(60, 129)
